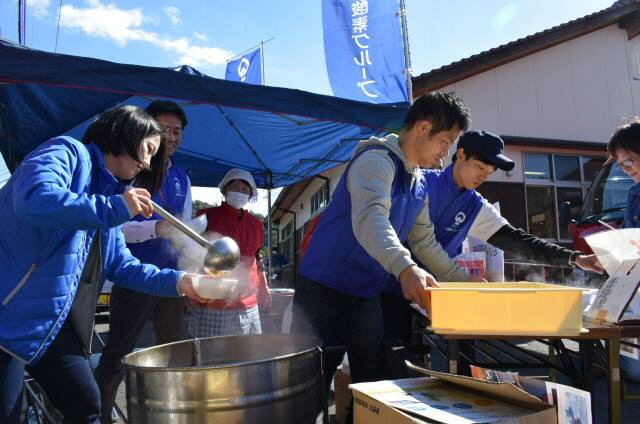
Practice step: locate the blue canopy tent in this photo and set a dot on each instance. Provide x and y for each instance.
(280, 135)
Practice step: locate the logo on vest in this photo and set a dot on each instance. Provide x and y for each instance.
(178, 186)
(460, 218)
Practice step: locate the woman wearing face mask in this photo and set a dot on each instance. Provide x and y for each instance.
(59, 240)
(239, 315)
(624, 148)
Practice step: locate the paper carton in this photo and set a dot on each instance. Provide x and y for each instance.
(616, 293)
(447, 399)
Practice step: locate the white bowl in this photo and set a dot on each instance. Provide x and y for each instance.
(215, 288)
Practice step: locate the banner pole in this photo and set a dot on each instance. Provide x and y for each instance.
(252, 48)
(407, 56)
(262, 62)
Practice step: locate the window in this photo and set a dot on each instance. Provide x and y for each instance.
(319, 199)
(541, 212)
(555, 186)
(569, 205)
(634, 57)
(537, 166)
(567, 168)
(590, 167)
(287, 245)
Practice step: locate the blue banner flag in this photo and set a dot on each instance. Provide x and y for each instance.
(364, 50)
(246, 68)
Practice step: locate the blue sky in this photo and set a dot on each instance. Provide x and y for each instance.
(205, 34)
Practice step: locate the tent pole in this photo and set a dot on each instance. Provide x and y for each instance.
(269, 241)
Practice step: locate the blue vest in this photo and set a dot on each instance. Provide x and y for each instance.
(334, 257)
(632, 215)
(451, 211)
(171, 197)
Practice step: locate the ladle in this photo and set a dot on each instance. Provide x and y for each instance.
(223, 255)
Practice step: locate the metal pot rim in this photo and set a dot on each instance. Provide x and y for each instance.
(221, 366)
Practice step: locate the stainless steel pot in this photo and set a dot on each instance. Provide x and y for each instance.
(273, 378)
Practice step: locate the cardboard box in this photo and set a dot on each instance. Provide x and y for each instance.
(573, 405)
(506, 309)
(447, 399)
(616, 295)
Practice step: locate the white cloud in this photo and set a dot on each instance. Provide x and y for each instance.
(504, 17)
(39, 8)
(200, 36)
(174, 15)
(124, 25)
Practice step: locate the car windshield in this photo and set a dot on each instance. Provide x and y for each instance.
(607, 197)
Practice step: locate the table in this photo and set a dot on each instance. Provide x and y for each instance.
(597, 331)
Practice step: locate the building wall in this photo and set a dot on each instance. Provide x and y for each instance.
(302, 205)
(578, 90)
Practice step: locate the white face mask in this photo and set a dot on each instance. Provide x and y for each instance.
(236, 200)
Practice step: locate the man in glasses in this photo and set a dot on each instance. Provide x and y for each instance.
(149, 241)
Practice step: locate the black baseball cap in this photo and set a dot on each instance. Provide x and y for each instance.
(487, 147)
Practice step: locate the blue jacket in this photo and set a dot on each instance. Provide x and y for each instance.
(50, 210)
(171, 196)
(334, 257)
(632, 215)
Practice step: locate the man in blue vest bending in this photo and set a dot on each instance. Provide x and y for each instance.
(379, 204)
(456, 210)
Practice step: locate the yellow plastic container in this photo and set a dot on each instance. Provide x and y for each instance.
(517, 308)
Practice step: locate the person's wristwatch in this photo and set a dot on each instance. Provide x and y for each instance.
(572, 258)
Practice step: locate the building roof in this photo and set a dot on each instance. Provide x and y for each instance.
(624, 12)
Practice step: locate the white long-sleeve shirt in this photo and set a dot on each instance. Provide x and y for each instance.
(141, 231)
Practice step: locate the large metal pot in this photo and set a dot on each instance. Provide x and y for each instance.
(273, 378)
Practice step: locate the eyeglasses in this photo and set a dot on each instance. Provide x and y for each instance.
(625, 164)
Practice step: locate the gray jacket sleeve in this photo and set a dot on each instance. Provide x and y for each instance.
(369, 183)
(425, 247)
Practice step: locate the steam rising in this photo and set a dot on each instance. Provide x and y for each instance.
(191, 259)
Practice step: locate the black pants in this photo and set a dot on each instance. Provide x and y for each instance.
(65, 376)
(128, 314)
(398, 318)
(341, 320)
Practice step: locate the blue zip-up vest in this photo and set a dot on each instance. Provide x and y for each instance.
(451, 211)
(334, 257)
(632, 214)
(171, 197)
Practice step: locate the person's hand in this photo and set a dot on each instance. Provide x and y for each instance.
(589, 263)
(264, 297)
(185, 286)
(414, 281)
(163, 229)
(139, 202)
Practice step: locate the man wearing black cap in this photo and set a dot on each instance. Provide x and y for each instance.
(456, 210)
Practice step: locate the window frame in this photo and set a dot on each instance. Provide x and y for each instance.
(554, 182)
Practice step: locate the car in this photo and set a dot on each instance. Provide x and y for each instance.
(605, 202)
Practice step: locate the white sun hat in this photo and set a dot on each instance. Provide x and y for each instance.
(240, 174)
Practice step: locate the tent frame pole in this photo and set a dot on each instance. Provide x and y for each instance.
(269, 241)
